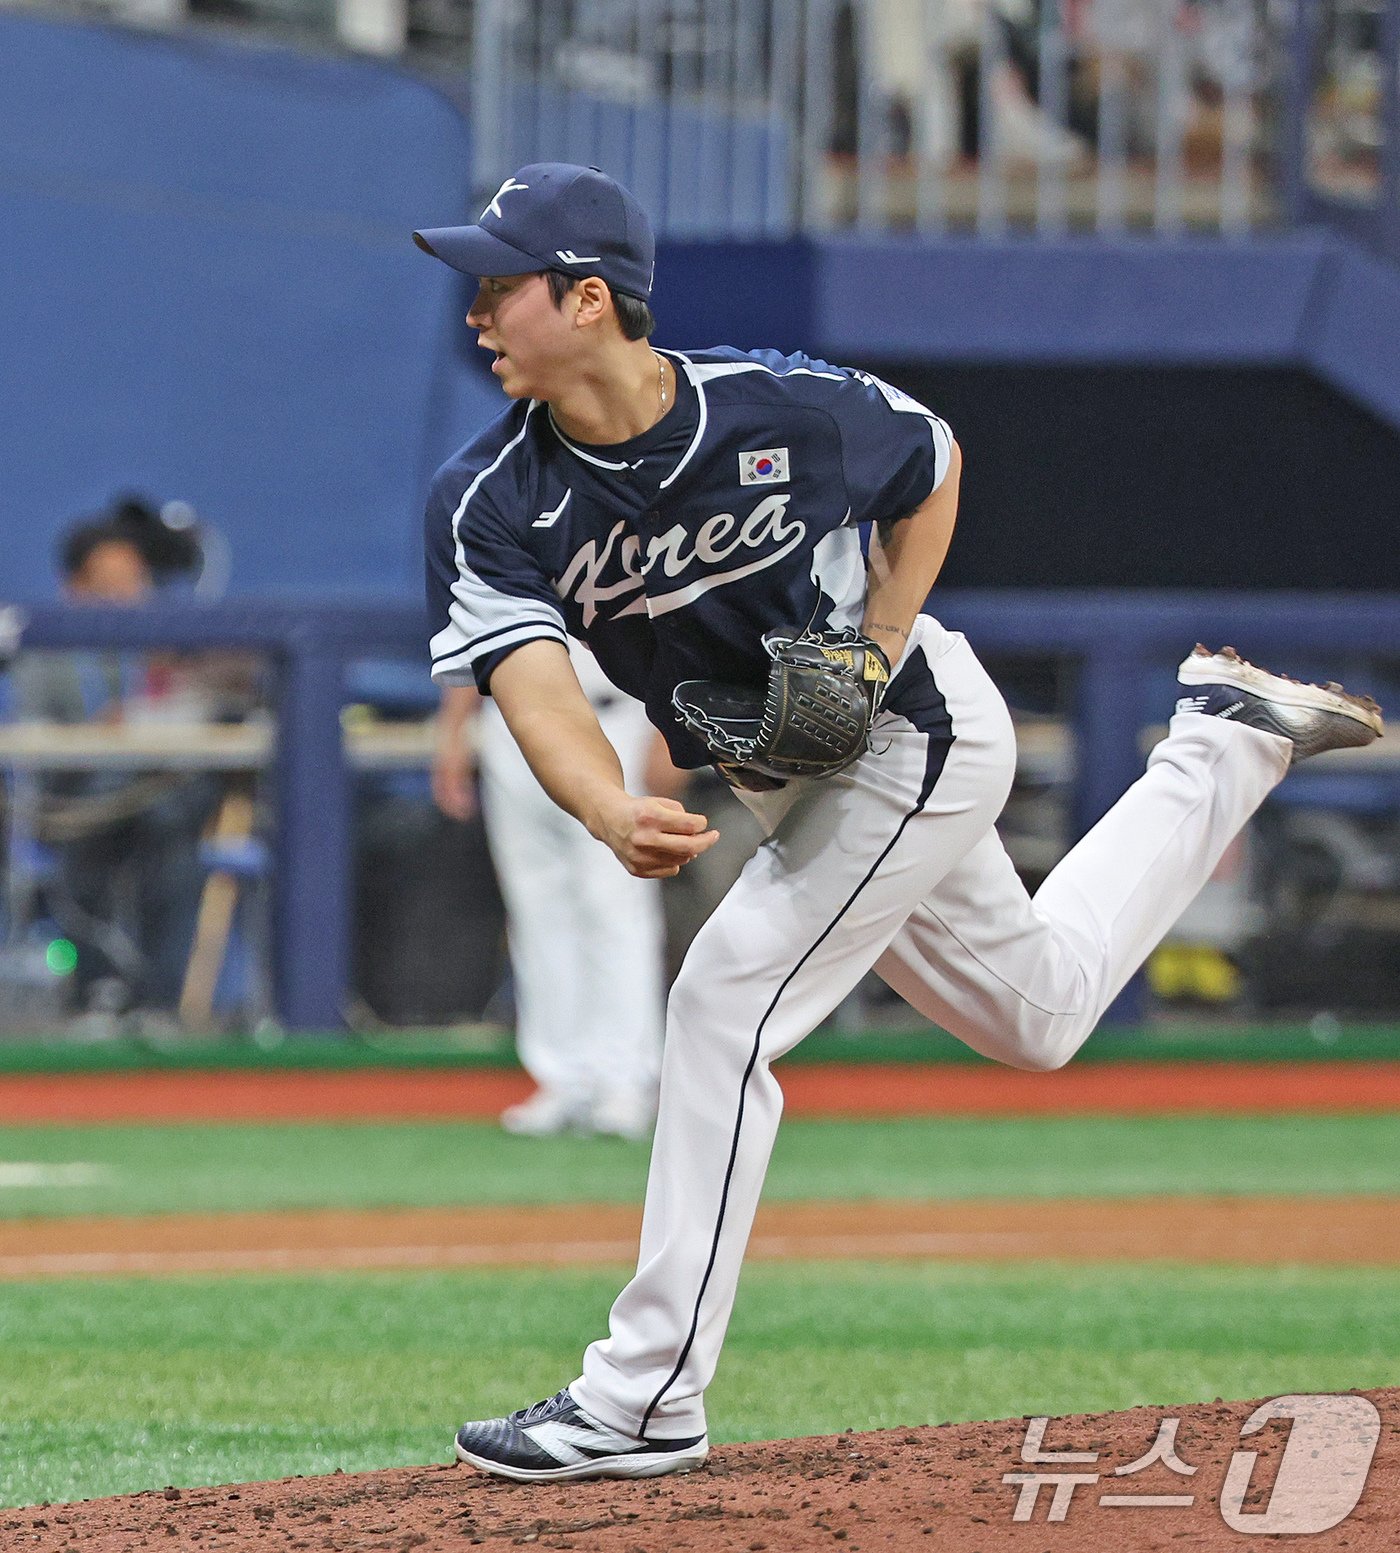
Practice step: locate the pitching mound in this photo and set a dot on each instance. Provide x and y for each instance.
(1316, 1476)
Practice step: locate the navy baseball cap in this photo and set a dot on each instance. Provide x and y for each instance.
(554, 216)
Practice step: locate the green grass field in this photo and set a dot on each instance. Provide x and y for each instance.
(117, 1385)
(217, 1168)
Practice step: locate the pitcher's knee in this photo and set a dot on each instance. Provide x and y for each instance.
(708, 1005)
(687, 1003)
(1047, 1042)
(1043, 1058)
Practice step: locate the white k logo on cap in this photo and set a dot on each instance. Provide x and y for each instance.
(494, 207)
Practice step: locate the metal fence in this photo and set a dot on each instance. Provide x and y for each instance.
(925, 115)
(1045, 116)
(743, 117)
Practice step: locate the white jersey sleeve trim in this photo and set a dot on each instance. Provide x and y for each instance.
(482, 618)
(703, 372)
(942, 448)
(448, 668)
(906, 404)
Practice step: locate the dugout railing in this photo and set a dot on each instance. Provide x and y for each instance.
(1123, 647)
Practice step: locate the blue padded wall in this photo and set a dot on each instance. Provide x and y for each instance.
(211, 294)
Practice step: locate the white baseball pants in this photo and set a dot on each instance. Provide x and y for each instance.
(894, 864)
(585, 936)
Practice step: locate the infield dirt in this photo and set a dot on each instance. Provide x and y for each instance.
(824, 1089)
(894, 1490)
(1355, 1231)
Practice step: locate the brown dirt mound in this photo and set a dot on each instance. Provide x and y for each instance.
(898, 1489)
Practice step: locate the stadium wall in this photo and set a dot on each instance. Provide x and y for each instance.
(212, 296)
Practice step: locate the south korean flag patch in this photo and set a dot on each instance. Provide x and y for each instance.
(764, 466)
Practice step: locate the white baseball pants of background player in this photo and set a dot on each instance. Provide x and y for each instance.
(586, 938)
(894, 864)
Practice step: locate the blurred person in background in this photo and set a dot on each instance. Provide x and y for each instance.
(691, 896)
(926, 65)
(128, 877)
(586, 939)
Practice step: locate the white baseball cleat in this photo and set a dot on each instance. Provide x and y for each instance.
(1314, 717)
(546, 1114)
(627, 1114)
(556, 1440)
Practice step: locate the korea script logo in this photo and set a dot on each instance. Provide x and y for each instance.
(676, 568)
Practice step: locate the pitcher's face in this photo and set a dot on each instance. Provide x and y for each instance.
(531, 339)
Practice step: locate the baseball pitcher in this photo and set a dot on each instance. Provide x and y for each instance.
(696, 518)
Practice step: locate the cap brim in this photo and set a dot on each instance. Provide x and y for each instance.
(475, 251)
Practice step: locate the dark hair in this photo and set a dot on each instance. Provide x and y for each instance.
(132, 520)
(167, 551)
(77, 544)
(634, 317)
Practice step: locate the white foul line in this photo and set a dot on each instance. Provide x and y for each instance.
(15, 1174)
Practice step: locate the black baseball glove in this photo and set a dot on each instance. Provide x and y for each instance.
(812, 719)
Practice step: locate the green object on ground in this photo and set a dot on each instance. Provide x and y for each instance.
(219, 1168)
(113, 1386)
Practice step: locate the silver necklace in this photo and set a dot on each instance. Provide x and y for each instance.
(661, 378)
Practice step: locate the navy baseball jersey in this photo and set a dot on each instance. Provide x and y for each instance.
(671, 554)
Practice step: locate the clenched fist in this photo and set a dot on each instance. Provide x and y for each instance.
(653, 838)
